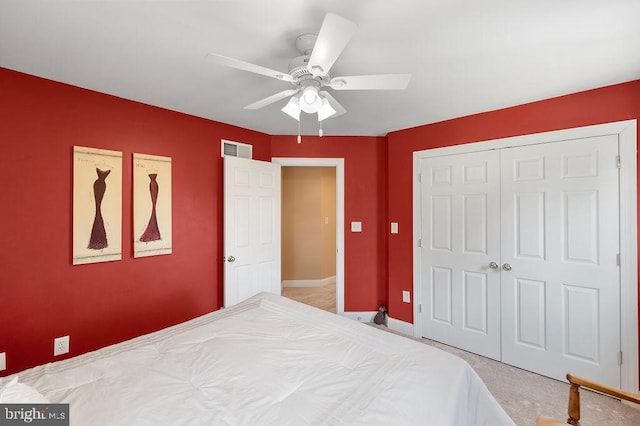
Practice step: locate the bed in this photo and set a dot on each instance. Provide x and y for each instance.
(267, 361)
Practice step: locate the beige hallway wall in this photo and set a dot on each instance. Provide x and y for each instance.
(308, 223)
(328, 216)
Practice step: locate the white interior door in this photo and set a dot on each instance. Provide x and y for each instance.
(461, 238)
(560, 240)
(251, 228)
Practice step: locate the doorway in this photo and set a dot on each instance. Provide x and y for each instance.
(309, 235)
(337, 166)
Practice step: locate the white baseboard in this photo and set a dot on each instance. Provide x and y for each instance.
(309, 283)
(360, 316)
(400, 326)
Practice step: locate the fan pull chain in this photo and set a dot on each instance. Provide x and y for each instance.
(299, 137)
(320, 130)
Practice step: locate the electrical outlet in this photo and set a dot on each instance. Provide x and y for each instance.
(406, 296)
(3, 361)
(60, 345)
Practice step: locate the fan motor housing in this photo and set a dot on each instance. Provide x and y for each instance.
(298, 69)
(298, 66)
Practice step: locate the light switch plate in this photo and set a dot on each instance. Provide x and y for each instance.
(394, 227)
(3, 361)
(406, 296)
(356, 226)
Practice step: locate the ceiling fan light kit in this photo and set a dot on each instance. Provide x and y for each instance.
(292, 108)
(326, 110)
(310, 101)
(309, 73)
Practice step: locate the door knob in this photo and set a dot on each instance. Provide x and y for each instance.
(231, 259)
(506, 267)
(493, 265)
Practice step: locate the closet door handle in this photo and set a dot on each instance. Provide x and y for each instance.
(506, 267)
(231, 259)
(493, 265)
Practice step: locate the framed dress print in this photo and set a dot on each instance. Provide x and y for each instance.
(151, 205)
(97, 205)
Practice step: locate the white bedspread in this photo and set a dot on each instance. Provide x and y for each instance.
(268, 361)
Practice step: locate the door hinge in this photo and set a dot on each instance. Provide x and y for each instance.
(419, 177)
(618, 259)
(619, 358)
(420, 308)
(618, 161)
(419, 242)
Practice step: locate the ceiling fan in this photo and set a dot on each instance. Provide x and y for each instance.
(309, 73)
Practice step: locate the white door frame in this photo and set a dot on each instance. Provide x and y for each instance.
(338, 163)
(627, 139)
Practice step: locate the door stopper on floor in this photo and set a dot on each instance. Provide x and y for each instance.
(381, 316)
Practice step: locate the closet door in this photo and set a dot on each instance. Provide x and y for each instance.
(559, 274)
(460, 292)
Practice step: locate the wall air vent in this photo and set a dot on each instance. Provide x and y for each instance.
(236, 149)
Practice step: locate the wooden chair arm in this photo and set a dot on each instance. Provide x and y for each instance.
(618, 393)
(574, 396)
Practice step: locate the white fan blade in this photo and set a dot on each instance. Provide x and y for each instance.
(333, 37)
(246, 66)
(371, 82)
(335, 104)
(271, 99)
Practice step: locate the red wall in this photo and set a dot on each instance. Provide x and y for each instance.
(365, 200)
(42, 296)
(613, 103)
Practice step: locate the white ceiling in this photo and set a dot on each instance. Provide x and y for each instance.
(465, 56)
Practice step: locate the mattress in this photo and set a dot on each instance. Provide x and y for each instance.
(268, 361)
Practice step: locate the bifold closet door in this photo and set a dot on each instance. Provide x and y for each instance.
(460, 293)
(559, 275)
